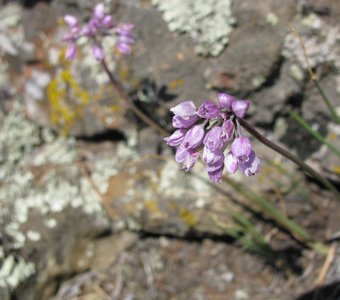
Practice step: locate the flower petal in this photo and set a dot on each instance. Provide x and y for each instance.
(208, 110)
(250, 166)
(194, 137)
(240, 107)
(225, 100)
(176, 138)
(179, 122)
(241, 147)
(213, 139)
(231, 163)
(184, 109)
(71, 20)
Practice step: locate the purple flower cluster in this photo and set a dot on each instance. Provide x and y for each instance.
(99, 26)
(212, 128)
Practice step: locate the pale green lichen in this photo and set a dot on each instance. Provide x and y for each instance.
(24, 145)
(209, 22)
(321, 42)
(13, 271)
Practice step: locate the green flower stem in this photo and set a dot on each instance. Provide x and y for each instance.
(290, 156)
(328, 103)
(121, 93)
(313, 132)
(298, 232)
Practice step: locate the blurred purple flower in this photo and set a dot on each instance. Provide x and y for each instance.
(125, 37)
(72, 36)
(98, 27)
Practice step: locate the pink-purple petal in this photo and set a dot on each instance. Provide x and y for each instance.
(208, 110)
(240, 108)
(241, 147)
(99, 11)
(176, 138)
(225, 100)
(213, 139)
(251, 165)
(71, 20)
(194, 137)
(179, 122)
(71, 51)
(227, 130)
(184, 109)
(98, 52)
(231, 163)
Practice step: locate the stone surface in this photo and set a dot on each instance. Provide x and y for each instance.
(87, 205)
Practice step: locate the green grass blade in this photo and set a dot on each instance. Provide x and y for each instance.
(313, 132)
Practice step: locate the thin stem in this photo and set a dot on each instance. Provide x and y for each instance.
(313, 132)
(328, 103)
(313, 76)
(290, 156)
(121, 92)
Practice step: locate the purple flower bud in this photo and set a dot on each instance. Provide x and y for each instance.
(124, 28)
(208, 110)
(99, 11)
(184, 109)
(240, 108)
(179, 122)
(176, 138)
(71, 21)
(227, 130)
(194, 137)
(225, 100)
(71, 51)
(213, 139)
(231, 163)
(241, 148)
(98, 52)
(251, 165)
(123, 48)
(186, 157)
(107, 22)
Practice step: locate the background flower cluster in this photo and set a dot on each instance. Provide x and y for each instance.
(99, 26)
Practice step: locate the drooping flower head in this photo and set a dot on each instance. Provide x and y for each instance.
(213, 128)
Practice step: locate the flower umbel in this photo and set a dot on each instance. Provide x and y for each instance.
(213, 128)
(96, 29)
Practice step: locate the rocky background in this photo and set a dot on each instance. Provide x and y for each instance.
(92, 203)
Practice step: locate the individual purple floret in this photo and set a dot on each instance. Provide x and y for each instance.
(184, 115)
(125, 37)
(208, 110)
(96, 29)
(72, 36)
(213, 128)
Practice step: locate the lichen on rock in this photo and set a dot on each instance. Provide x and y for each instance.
(209, 22)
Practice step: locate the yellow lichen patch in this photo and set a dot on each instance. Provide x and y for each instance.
(188, 217)
(152, 206)
(63, 111)
(336, 170)
(174, 84)
(331, 136)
